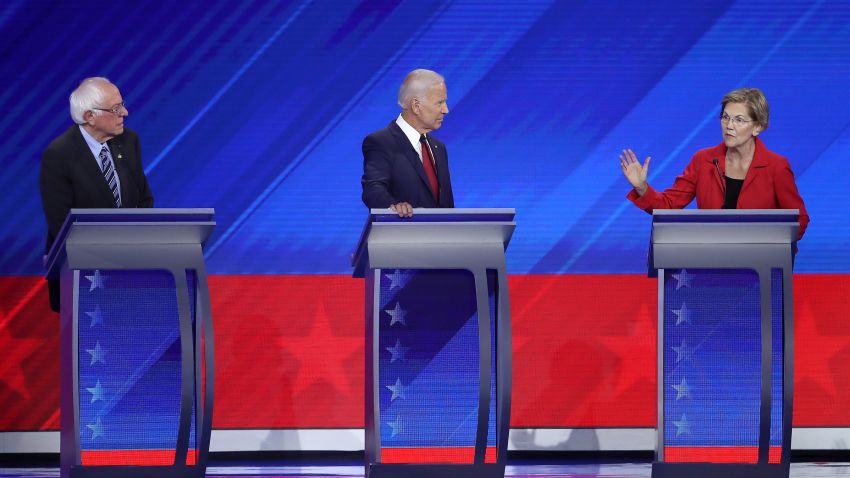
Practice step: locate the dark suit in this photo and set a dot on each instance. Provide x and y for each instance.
(70, 178)
(393, 172)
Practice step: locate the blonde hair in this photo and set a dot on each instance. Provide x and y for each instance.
(755, 101)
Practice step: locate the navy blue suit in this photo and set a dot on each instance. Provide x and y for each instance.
(393, 172)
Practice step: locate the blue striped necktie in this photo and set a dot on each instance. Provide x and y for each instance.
(109, 174)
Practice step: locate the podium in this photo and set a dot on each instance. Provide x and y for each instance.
(725, 341)
(136, 342)
(438, 342)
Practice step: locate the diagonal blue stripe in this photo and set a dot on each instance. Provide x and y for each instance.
(711, 116)
(224, 89)
(318, 138)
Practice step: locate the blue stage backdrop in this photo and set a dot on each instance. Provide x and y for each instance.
(258, 109)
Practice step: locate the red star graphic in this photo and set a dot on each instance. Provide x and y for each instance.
(635, 351)
(15, 351)
(322, 355)
(815, 351)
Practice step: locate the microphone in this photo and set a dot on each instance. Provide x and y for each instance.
(720, 175)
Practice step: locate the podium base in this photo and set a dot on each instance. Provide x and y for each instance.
(393, 470)
(714, 470)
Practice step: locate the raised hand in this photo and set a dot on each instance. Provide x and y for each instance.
(634, 171)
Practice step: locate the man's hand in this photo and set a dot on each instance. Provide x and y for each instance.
(403, 209)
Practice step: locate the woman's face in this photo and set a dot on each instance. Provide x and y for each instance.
(738, 126)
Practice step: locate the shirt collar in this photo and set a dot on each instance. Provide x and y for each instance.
(409, 131)
(92, 143)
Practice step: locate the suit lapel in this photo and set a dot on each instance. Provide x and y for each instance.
(90, 164)
(409, 153)
(757, 166)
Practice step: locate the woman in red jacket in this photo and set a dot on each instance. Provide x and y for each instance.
(739, 173)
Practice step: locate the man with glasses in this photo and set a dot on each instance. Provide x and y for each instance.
(96, 163)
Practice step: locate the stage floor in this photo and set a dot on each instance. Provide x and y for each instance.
(584, 470)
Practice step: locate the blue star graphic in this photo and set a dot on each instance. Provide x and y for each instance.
(97, 393)
(397, 314)
(683, 279)
(96, 316)
(397, 389)
(682, 426)
(397, 279)
(683, 314)
(398, 351)
(682, 352)
(97, 353)
(96, 428)
(396, 426)
(682, 390)
(96, 280)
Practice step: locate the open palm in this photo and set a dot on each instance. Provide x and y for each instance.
(633, 170)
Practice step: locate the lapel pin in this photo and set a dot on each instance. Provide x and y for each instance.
(119, 156)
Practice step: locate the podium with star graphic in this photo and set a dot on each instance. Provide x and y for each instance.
(136, 342)
(725, 341)
(438, 342)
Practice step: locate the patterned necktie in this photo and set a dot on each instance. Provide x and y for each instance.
(109, 174)
(430, 171)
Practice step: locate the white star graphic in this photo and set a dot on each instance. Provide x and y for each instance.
(397, 314)
(682, 426)
(683, 279)
(397, 279)
(397, 389)
(96, 316)
(96, 428)
(96, 280)
(682, 352)
(97, 392)
(683, 314)
(396, 426)
(682, 390)
(398, 351)
(97, 353)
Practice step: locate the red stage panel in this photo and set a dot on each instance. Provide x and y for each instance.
(133, 457)
(289, 352)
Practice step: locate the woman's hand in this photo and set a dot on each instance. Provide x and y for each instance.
(634, 171)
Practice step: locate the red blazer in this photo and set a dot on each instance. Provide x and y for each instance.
(769, 185)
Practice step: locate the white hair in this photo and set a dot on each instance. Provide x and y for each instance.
(417, 84)
(88, 96)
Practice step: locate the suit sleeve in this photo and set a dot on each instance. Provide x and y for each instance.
(145, 194)
(679, 195)
(787, 195)
(377, 175)
(57, 194)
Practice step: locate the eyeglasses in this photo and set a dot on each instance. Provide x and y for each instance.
(736, 121)
(116, 110)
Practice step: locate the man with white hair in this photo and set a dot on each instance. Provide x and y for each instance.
(403, 165)
(96, 163)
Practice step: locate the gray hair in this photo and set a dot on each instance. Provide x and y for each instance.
(86, 97)
(417, 84)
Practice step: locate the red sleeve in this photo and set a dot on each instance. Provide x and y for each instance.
(787, 195)
(679, 195)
